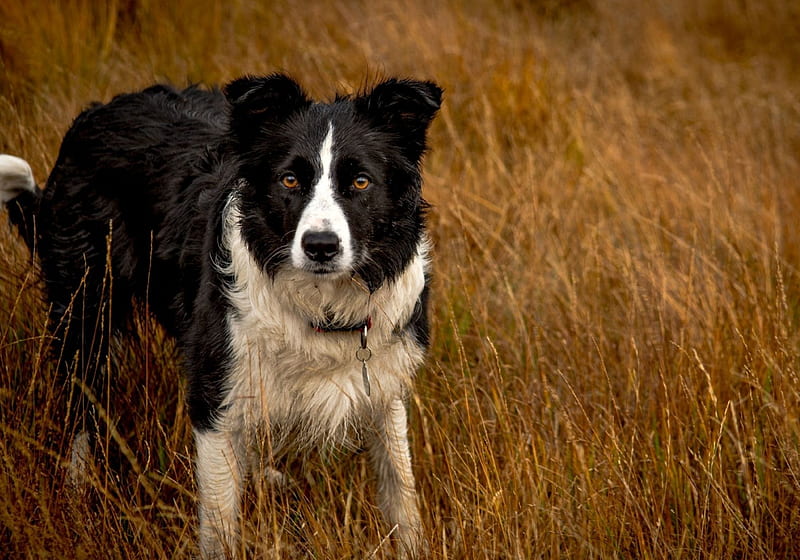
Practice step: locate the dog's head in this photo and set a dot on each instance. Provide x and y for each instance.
(332, 189)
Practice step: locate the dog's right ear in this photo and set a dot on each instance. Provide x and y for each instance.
(263, 99)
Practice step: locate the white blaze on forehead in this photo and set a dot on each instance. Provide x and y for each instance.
(326, 154)
(323, 213)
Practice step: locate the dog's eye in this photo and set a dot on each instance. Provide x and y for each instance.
(361, 182)
(289, 181)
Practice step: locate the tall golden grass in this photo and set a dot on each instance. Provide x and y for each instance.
(614, 368)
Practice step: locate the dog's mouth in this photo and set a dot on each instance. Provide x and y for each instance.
(325, 270)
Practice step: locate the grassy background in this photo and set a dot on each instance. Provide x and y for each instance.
(614, 372)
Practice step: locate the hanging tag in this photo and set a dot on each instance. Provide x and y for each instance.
(365, 376)
(363, 354)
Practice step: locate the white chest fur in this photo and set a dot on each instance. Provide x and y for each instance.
(284, 373)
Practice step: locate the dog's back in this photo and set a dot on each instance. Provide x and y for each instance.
(126, 176)
(119, 221)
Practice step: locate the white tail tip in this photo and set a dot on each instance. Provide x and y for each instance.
(15, 177)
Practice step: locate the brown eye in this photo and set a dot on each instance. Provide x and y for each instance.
(289, 181)
(361, 182)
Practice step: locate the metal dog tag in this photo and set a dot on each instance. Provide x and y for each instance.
(363, 354)
(365, 376)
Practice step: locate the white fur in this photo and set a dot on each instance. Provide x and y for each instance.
(79, 460)
(287, 377)
(391, 460)
(219, 474)
(323, 213)
(15, 177)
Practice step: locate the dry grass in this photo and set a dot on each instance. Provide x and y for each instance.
(614, 371)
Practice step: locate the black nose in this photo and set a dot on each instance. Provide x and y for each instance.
(320, 246)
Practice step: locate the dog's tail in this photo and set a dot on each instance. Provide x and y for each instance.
(19, 193)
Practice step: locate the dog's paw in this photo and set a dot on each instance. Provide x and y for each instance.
(276, 478)
(80, 458)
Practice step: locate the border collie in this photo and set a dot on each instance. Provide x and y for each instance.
(279, 240)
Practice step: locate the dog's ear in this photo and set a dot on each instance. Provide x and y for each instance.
(405, 108)
(258, 100)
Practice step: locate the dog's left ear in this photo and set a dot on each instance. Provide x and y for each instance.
(405, 108)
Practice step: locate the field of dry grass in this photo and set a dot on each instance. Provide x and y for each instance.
(615, 359)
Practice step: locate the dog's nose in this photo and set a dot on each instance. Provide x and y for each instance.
(320, 246)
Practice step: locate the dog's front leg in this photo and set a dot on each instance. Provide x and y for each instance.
(219, 472)
(391, 457)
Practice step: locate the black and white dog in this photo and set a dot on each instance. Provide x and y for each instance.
(281, 241)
